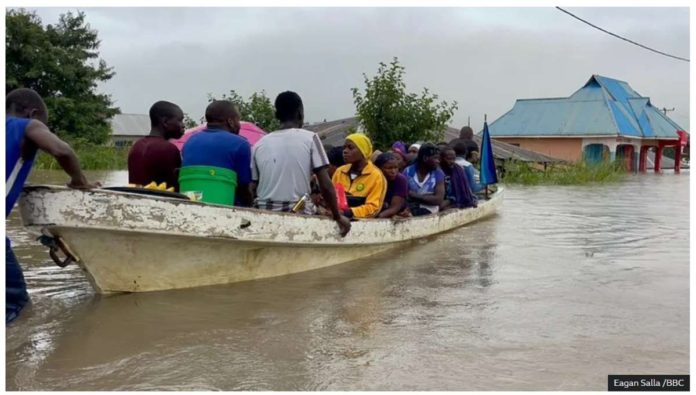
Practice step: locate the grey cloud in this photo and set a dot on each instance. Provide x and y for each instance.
(484, 58)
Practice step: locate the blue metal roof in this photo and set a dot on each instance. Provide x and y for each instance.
(602, 107)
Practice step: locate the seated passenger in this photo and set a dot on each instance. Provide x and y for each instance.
(426, 182)
(457, 191)
(363, 182)
(221, 156)
(399, 149)
(335, 155)
(285, 161)
(375, 154)
(412, 154)
(397, 186)
(472, 176)
(153, 157)
(463, 144)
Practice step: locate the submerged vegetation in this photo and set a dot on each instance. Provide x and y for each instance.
(92, 157)
(563, 174)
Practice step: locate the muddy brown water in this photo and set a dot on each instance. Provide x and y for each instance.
(561, 288)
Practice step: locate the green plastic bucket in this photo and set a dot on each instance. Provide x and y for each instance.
(216, 184)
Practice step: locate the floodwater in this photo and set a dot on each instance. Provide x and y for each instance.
(563, 287)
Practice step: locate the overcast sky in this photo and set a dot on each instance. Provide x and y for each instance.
(484, 58)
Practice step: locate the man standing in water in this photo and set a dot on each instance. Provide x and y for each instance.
(153, 157)
(283, 162)
(25, 133)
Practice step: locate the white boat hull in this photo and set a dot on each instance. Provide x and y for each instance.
(132, 243)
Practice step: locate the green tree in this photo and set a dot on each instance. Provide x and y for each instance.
(388, 113)
(61, 62)
(257, 109)
(190, 122)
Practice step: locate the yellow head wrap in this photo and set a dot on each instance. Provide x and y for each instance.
(363, 143)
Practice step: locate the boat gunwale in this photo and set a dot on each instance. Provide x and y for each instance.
(57, 188)
(494, 199)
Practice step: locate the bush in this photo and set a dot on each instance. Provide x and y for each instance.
(92, 157)
(563, 174)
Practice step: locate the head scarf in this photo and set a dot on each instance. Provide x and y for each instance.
(414, 145)
(363, 143)
(399, 147)
(375, 155)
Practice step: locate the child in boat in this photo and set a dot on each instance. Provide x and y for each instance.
(26, 133)
(397, 186)
(364, 183)
(426, 182)
(457, 191)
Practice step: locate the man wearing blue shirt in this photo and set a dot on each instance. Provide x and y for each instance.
(26, 133)
(220, 145)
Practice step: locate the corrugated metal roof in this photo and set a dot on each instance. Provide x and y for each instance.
(334, 133)
(602, 107)
(130, 125)
(542, 117)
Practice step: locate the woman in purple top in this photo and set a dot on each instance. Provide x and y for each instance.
(397, 186)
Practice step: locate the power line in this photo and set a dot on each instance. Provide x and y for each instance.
(625, 39)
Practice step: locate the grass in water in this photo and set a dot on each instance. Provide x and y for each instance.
(563, 174)
(92, 157)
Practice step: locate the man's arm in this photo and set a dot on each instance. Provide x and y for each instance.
(244, 193)
(243, 169)
(329, 194)
(395, 206)
(253, 187)
(172, 166)
(38, 134)
(254, 174)
(475, 186)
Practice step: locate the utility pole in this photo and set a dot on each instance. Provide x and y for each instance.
(665, 109)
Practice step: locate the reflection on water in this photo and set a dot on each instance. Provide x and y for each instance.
(565, 286)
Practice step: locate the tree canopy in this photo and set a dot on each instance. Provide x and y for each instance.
(257, 109)
(61, 62)
(388, 113)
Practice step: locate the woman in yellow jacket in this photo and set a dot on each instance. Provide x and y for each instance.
(364, 183)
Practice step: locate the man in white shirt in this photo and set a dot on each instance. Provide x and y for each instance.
(283, 163)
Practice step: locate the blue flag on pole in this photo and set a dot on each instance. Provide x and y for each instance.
(488, 175)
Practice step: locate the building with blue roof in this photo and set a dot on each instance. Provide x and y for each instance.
(604, 120)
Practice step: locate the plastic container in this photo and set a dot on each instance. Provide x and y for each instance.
(216, 184)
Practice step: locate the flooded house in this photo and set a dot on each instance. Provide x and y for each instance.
(604, 120)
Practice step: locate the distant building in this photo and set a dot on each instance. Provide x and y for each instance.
(333, 134)
(603, 120)
(127, 128)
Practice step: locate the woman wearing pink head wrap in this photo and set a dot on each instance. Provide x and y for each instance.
(399, 149)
